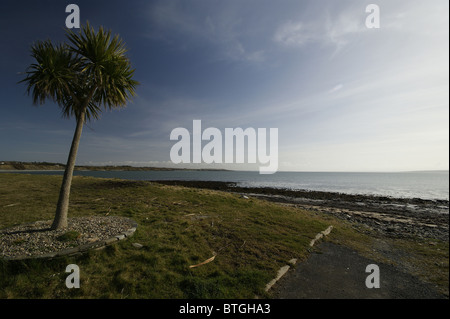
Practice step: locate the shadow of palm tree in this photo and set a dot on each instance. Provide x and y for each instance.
(26, 231)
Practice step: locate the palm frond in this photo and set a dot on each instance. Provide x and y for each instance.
(105, 63)
(89, 72)
(53, 74)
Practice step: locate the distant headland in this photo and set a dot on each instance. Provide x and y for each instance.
(15, 165)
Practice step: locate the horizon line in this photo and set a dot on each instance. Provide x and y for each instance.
(234, 170)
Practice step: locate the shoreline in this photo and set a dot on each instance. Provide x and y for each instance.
(231, 223)
(224, 184)
(411, 218)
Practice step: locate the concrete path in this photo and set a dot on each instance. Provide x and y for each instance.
(337, 272)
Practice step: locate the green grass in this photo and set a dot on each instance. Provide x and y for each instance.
(69, 236)
(177, 227)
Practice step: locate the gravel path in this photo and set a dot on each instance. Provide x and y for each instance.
(37, 239)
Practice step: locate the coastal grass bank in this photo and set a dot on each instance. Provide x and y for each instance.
(189, 243)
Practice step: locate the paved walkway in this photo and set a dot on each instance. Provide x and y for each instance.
(337, 272)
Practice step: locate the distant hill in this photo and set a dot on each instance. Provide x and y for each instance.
(12, 165)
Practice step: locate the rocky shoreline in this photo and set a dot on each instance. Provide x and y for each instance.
(412, 218)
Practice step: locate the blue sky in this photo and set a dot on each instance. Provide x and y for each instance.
(343, 97)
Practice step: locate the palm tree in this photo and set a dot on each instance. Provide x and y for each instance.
(83, 77)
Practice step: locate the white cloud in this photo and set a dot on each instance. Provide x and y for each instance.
(327, 29)
(293, 34)
(336, 88)
(221, 31)
(389, 114)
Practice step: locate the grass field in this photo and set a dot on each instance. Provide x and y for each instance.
(177, 227)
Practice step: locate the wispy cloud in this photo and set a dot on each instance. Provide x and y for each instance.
(333, 30)
(294, 34)
(336, 88)
(220, 30)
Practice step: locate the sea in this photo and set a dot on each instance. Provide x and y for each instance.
(432, 185)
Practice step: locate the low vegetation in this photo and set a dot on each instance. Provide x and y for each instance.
(178, 227)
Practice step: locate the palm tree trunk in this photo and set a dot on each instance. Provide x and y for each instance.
(60, 220)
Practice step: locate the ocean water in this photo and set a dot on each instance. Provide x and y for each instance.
(425, 185)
